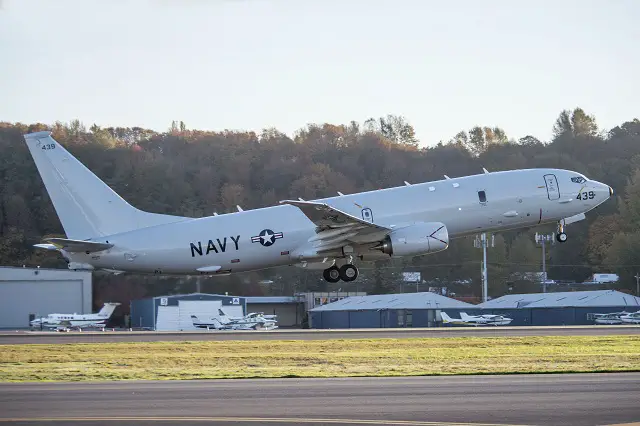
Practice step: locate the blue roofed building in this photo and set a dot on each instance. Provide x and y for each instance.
(563, 308)
(386, 310)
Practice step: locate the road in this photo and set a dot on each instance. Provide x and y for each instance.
(50, 337)
(579, 399)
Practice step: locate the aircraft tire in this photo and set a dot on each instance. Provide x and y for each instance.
(332, 274)
(561, 237)
(348, 272)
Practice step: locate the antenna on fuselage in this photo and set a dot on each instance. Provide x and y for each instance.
(300, 198)
(340, 193)
(407, 183)
(486, 172)
(239, 208)
(447, 177)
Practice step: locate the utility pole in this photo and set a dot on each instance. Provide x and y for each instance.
(542, 240)
(482, 242)
(637, 277)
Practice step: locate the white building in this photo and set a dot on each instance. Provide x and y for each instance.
(27, 293)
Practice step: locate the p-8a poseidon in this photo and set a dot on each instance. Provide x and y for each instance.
(105, 232)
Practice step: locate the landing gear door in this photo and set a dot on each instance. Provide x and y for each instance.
(553, 192)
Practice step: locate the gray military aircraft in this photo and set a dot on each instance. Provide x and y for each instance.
(105, 232)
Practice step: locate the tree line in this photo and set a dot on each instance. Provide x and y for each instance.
(195, 173)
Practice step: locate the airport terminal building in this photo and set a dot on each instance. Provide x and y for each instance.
(28, 293)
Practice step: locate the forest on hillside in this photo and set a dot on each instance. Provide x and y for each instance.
(194, 173)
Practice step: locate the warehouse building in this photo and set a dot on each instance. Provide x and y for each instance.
(173, 313)
(564, 308)
(386, 310)
(28, 293)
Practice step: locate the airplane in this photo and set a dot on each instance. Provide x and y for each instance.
(220, 324)
(610, 318)
(476, 320)
(64, 322)
(249, 320)
(104, 232)
(631, 318)
(249, 316)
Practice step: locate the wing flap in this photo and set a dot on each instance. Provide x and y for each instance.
(75, 245)
(334, 228)
(325, 216)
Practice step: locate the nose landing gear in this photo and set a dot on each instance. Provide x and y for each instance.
(561, 236)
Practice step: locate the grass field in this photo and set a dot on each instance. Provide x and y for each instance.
(318, 358)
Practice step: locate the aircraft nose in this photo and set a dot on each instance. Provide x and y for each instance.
(610, 192)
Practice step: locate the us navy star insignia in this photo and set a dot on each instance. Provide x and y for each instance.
(266, 237)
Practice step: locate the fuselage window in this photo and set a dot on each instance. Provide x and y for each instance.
(482, 196)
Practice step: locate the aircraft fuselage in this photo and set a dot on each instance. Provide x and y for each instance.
(272, 236)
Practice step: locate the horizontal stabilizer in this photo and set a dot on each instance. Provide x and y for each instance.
(74, 245)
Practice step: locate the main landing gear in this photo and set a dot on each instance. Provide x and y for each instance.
(561, 237)
(346, 273)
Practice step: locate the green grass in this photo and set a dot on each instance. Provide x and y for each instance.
(318, 358)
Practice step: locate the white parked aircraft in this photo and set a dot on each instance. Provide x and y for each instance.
(476, 319)
(224, 323)
(79, 321)
(631, 318)
(105, 232)
(251, 319)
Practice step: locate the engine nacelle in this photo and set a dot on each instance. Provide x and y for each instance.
(416, 239)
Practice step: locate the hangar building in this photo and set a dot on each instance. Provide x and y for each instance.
(564, 308)
(386, 310)
(173, 313)
(27, 293)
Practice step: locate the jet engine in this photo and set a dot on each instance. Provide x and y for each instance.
(413, 240)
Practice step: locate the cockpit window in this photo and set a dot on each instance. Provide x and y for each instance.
(578, 179)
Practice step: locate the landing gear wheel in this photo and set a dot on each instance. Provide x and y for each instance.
(561, 237)
(348, 272)
(332, 274)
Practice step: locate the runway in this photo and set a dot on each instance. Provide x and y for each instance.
(578, 399)
(50, 337)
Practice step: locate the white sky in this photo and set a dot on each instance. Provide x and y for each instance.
(249, 64)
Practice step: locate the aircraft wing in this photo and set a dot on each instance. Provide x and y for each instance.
(75, 245)
(334, 227)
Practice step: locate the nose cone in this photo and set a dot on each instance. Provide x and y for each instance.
(610, 192)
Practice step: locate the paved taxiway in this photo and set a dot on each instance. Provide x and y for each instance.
(561, 399)
(50, 337)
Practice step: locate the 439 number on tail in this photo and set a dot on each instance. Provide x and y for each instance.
(48, 146)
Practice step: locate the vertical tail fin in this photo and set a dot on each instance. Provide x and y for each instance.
(107, 309)
(85, 205)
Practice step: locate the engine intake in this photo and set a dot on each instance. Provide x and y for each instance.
(416, 239)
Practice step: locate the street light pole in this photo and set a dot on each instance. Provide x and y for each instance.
(637, 277)
(482, 242)
(542, 240)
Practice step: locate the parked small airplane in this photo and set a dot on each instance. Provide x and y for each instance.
(610, 318)
(476, 319)
(64, 322)
(631, 318)
(105, 232)
(224, 323)
(249, 320)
